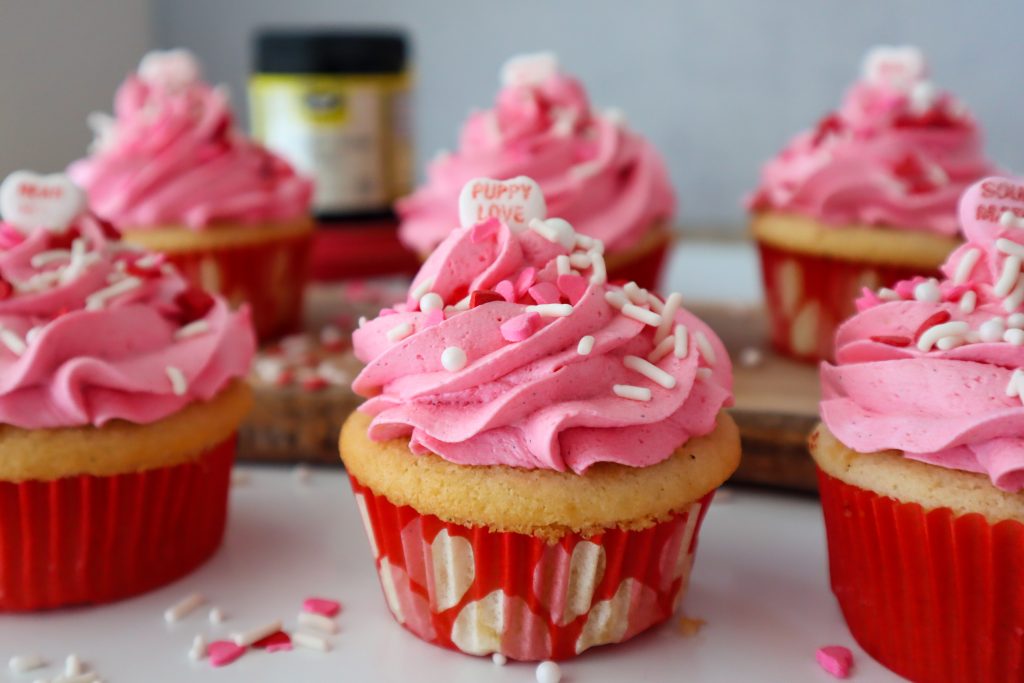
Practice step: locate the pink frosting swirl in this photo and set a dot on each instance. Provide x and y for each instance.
(173, 156)
(934, 368)
(609, 182)
(493, 381)
(897, 154)
(92, 331)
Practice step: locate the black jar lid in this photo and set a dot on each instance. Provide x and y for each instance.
(329, 51)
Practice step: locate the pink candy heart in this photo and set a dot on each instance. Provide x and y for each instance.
(324, 606)
(520, 327)
(223, 652)
(573, 287)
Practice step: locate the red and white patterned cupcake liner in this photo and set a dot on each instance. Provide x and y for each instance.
(809, 296)
(269, 275)
(481, 592)
(934, 596)
(87, 540)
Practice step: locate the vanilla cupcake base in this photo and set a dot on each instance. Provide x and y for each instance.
(532, 564)
(814, 272)
(925, 564)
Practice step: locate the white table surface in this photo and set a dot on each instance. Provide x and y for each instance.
(760, 582)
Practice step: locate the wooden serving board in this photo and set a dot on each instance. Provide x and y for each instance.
(776, 402)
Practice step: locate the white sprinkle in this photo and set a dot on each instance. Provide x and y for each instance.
(650, 371)
(555, 230)
(183, 608)
(1014, 336)
(580, 261)
(1010, 247)
(217, 616)
(269, 370)
(178, 382)
(399, 332)
(453, 359)
(1013, 386)
(548, 672)
(1008, 277)
(616, 299)
(98, 300)
(992, 330)
(934, 333)
(1007, 219)
(247, 638)
(421, 289)
(333, 373)
(330, 335)
(551, 310)
(463, 304)
(668, 316)
(13, 341)
(1015, 298)
(587, 242)
(72, 666)
(318, 621)
(751, 357)
(928, 291)
(968, 301)
(296, 345)
(1020, 222)
(310, 642)
(362, 320)
(585, 346)
(705, 348)
(662, 349)
(682, 345)
(704, 373)
(198, 649)
(1015, 320)
(598, 269)
(886, 294)
(644, 315)
(20, 664)
(947, 343)
(634, 293)
(194, 328)
(966, 265)
(78, 261)
(632, 392)
(431, 301)
(44, 257)
(499, 659)
(562, 264)
(656, 304)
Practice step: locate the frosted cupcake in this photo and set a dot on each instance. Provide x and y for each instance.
(174, 174)
(538, 448)
(921, 457)
(121, 387)
(866, 198)
(596, 173)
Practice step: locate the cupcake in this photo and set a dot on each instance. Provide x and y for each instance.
(121, 387)
(538, 447)
(172, 172)
(596, 173)
(866, 198)
(921, 457)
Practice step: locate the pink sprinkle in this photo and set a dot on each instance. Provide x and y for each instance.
(905, 288)
(525, 281)
(223, 652)
(573, 287)
(507, 291)
(545, 293)
(275, 642)
(482, 232)
(520, 327)
(957, 292)
(10, 236)
(434, 317)
(835, 660)
(868, 299)
(324, 606)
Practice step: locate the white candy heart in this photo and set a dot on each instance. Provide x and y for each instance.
(171, 69)
(515, 202)
(983, 205)
(29, 201)
(896, 67)
(530, 69)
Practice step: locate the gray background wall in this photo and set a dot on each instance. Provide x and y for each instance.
(719, 85)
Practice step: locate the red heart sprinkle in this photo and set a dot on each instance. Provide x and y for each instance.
(934, 319)
(273, 642)
(223, 652)
(483, 296)
(891, 340)
(193, 303)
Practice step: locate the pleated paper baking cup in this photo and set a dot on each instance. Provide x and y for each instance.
(808, 297)
(270, 275)
(936, 597)
(86, 540)
(645, 269)
(482, 592)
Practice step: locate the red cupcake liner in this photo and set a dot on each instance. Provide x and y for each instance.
(645, 270)
(360, 250)
(809, 296)
(480, 592)
(934, 596)
(270, 275)
(86, 539)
